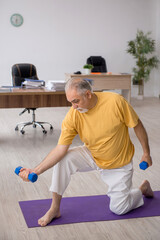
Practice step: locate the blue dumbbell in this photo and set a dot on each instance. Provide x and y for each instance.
(31, 177)
(143, 165)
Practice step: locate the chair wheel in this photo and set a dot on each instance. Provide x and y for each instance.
(44, 131)
(34, 126)
(22, 131)
(16, 128)
(51, 128)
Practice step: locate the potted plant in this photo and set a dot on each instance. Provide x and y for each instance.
(88, 68)
(141, 49)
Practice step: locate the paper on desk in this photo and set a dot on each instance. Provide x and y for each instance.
(5, 89)
(29, 83)
(56, 85)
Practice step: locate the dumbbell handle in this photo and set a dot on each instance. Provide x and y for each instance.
(31, 177)
(143, 165)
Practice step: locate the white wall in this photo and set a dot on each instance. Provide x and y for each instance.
(157, 73)
(58, 35)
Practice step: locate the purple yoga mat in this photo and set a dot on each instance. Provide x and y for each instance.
(86, 209)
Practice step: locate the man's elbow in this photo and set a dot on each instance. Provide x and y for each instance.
(62, 149)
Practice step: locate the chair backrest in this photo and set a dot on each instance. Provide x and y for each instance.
(98, 62)
(21, 71)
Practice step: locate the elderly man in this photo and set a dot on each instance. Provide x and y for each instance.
(102, 120)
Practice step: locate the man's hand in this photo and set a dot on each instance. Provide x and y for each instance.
(24, 172)
(147, 158)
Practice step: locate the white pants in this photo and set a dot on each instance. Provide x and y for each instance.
(79, 159)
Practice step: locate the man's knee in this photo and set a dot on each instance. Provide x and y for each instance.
(116, 210)
(119, 208)
(67, 163)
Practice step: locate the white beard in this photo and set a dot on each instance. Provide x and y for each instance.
(82, 110)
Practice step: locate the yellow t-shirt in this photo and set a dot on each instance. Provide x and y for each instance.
(103, 129)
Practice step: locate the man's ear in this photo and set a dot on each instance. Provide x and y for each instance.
(88, 94)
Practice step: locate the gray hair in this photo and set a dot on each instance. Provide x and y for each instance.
(80, 85)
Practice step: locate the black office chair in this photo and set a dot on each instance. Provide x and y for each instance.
(99, 64)
(19, 73)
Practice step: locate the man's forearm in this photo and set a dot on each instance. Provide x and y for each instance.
(52, 158)
(142, 136)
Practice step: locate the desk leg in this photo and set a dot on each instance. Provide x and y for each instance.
(127, 94)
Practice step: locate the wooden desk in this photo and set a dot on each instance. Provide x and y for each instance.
(32, 98)
(108, 82)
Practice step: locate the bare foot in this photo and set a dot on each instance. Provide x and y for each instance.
(146, 189)
(47, 218)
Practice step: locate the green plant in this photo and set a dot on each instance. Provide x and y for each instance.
(89, 66)
(141, 49)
